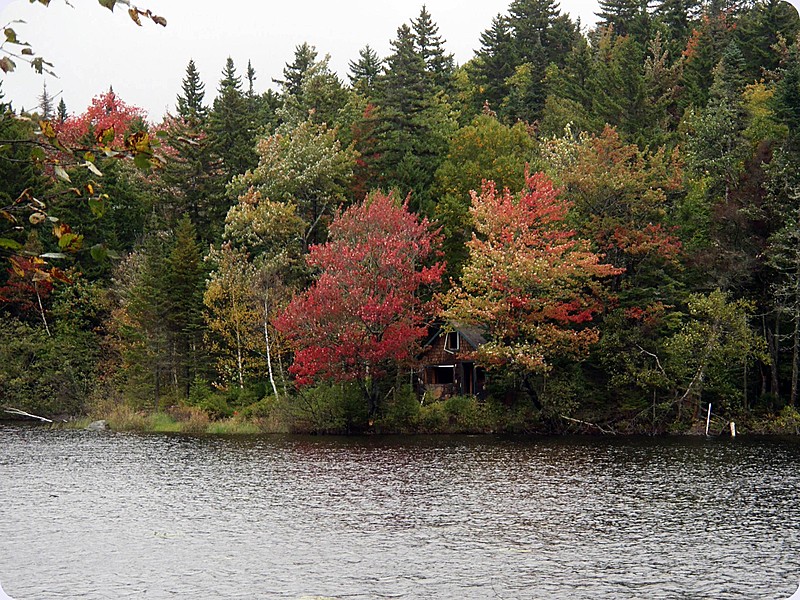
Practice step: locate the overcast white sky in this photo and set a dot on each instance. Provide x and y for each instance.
(93, 48)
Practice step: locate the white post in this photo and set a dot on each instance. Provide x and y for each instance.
(733, 429)
(708, 418)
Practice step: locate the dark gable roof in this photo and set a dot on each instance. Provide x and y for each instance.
(472, 335)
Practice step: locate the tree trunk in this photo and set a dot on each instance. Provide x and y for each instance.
(774, 346)
(269, 354)
(796, 341)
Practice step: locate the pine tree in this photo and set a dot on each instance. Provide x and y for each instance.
(430, 47)
(494, 63)
(62, 114)
(46, 111)
(758, 31)
(304, 57)
(230, 126)
(190, 104)
(626, 17)
(251, 78)
(186, 281)
(365, 71)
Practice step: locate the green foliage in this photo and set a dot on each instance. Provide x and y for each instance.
(230, 124)
(484, 150)
(332, 408)
(43, 374)
(402, 410)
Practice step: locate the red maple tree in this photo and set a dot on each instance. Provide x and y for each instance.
(364, 311)
(106, 113)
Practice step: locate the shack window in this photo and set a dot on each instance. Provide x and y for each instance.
(439, 375)
(451, 341)
(445, 374)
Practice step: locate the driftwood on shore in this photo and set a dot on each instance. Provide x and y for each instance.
(22, 413)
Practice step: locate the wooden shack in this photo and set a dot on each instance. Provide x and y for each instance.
(447, 362)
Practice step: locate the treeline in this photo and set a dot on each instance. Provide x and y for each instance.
(284, 251)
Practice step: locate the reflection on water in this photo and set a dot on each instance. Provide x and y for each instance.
(103, 515)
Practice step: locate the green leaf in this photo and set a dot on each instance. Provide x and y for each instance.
(142, 161)
(109, 4)
(61, 173)
(99, 252)
(10, 244)
(7, 65)
(97, 206)
(71, 242)
(38, 154)
(27, 52)
(11, 35)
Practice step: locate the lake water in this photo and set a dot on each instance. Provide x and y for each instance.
(103, 515)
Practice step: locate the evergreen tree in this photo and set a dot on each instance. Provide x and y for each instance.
(186, 283)
(190, 103)
(365, 71)
(46, 110)
(414, 120)
(702, 53)
(626, 17)
(759, 30)
(304, 57)
(430, 47)
(230, 126)
(617, 83)
(61, 113)
(194, 181)
(251, 78)
(321, 96)
(494, 63)
(676, 18)
(542, 36)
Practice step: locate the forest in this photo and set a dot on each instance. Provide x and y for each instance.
(615, 210)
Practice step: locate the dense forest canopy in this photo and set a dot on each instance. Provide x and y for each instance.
(615, 210)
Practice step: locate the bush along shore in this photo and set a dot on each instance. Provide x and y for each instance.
(340, 410)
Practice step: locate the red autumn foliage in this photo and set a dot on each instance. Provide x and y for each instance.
(364, 310)
(530, 283)
(106, 112)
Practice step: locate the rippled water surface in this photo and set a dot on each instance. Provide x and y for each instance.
(104, 515)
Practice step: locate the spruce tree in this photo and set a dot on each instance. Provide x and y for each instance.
(186, 281)
(626, 17)
(365, 71)
(46, 110)
(542, 36)
(415, 121)
(230, 126)
(61, 113)
(430, 47)
(190, 103)
(304, 57)
(494, 63)
(251, 78)
(759, 30)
